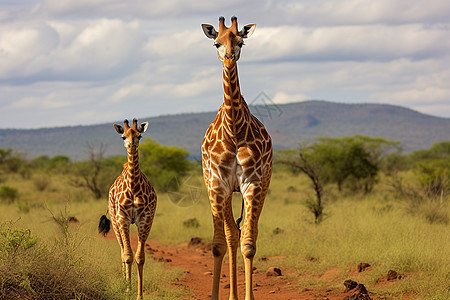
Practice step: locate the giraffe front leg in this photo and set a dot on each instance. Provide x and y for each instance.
(219, 248)
(248, 249)
(249, 234)
(119, 240)
(140, 257)
(127, 254)
(232, 237)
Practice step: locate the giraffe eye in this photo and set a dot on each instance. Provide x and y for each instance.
(217, 45)
(140, 137)
(240, 44)
(124, 138)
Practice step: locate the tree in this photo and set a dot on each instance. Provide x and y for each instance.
(89, 171)
(352, 160)
(14, 162)
(163, 165)
(433, 169)
(305, 165)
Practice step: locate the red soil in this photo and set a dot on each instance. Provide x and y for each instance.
(197, 263)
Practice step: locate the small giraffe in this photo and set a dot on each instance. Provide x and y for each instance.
(236, 156)
(132, 199)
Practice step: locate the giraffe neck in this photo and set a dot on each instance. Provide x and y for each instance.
(133, 164)
(233, 103)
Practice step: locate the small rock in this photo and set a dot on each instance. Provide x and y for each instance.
(273, 271)
(359, 291)
(358, 296)
(73, 220)
(275, 290)
(195, 241)
(227, 286)
(350, 285)
(362, 267)
(208, 273)
(278, 230)
(360, 288)
(392, 275)
(168, 260)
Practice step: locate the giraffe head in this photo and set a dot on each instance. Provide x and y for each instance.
(228, 40)
(131, 135)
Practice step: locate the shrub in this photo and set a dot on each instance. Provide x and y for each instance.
(191, 223)
(162, 164)
(8, 194)
(42, 183)
(31, 271)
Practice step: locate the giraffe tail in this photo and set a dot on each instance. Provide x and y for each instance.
(239, 220)
(104, 225)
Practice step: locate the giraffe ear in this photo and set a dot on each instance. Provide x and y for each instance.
(143, 127)
(209, 31)
(247, 31)
(118, 128)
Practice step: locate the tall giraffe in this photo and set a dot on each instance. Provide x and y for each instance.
(236, 156)
(132, 199)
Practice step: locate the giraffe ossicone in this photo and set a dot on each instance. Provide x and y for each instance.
(236, 156)
(132, 199)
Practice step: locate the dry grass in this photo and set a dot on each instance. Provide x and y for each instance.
(377, 228)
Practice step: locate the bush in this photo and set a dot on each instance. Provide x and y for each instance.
(191, 223)
(42, 183)
(162, 164)
(31, 271)
(8, 194)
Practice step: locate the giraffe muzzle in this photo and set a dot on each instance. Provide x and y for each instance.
(230, 56)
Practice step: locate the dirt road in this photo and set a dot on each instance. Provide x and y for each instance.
(197, 262)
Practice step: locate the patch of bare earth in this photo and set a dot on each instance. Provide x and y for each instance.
(196, 260)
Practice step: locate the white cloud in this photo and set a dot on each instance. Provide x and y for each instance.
(281, 98)
(356, 12)
(126, 92)
(131, 8)
(78, 62)
(103, 46)
(21, 44)
(360, 43)
(416, 96)
(81, 51)
(51, 101)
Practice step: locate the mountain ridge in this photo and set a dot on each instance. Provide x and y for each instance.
(288, 124)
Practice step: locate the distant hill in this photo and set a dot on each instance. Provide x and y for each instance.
(288, 124)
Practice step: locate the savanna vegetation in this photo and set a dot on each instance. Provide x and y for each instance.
(332, 204)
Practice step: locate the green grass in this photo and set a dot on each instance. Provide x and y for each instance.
(377, 228)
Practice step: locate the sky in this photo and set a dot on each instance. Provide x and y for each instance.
(67, 63)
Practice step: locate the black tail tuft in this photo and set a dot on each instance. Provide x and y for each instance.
(104, 225)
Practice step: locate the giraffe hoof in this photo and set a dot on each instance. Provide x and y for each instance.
(249, 250)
